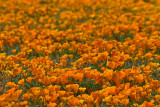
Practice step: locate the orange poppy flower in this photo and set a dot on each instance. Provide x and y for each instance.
(147, 104)
(124, 102)
(75, 88)
(24, 103)
(108, 74)
(21, 82)
(140, 78)
(29, 79)
(68, 88)
(82, 90)
(14, 51)
(16, 95)
(61, 93)
(51, 104)
(73, 101)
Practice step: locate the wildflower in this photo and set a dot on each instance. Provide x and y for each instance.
(24, 103)
(10, 84)
(51, 104)
(82, 90)
(16, 95)
(148, 104)
(108, 74)
(14, 51)
(21, 82)
(61, 93)
(124, 102)
(29, 79)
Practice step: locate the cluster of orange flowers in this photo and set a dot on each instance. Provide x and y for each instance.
(64, 53)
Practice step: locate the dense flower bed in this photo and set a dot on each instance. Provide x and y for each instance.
(91, 53)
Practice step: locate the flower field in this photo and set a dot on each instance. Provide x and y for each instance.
(79, 53)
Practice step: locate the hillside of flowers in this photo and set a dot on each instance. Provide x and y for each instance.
(79, 53)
